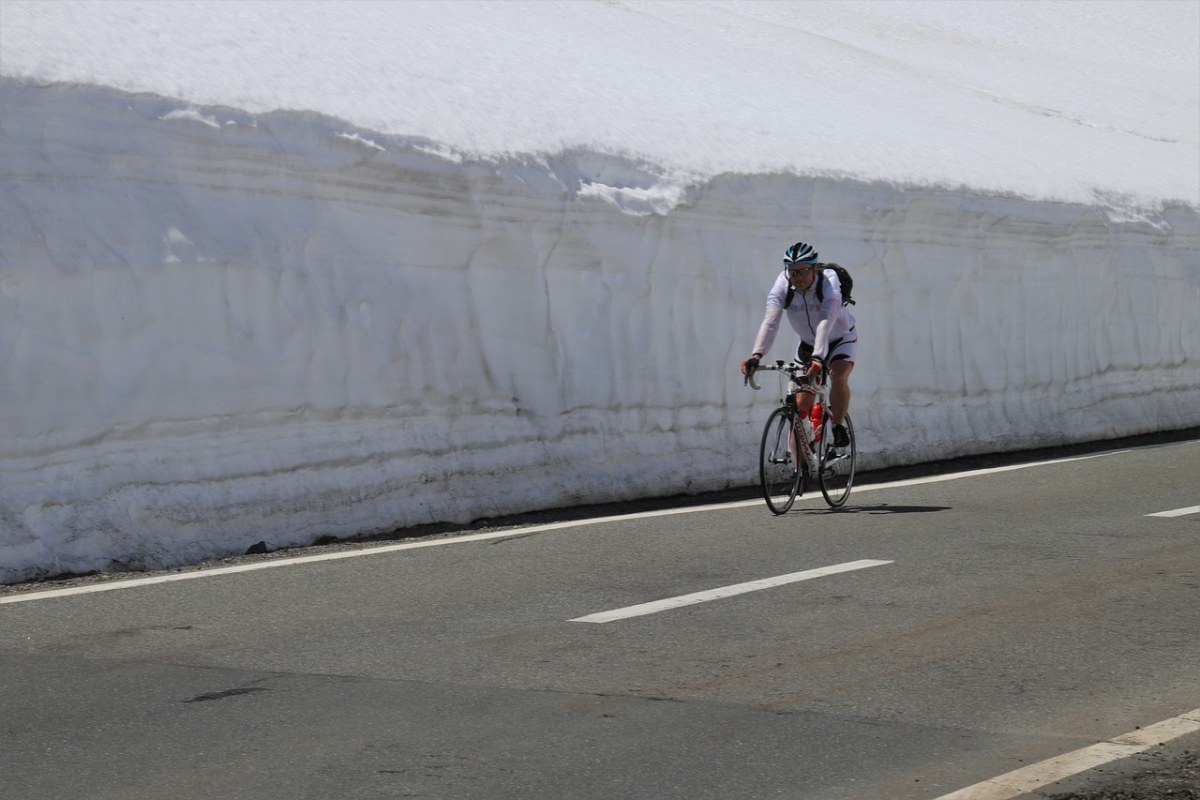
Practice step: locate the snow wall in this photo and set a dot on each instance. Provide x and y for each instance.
(218, 328)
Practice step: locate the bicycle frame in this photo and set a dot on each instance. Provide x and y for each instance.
(796, 372)
(833, 467)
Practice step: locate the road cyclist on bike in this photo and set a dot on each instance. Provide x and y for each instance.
(811, 297)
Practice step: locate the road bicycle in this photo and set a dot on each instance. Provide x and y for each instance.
(793, 450)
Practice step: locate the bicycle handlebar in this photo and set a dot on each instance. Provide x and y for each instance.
(792, 369)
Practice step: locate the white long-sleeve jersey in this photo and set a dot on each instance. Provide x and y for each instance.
(817, 322)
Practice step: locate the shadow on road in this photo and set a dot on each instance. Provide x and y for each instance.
(882, 508)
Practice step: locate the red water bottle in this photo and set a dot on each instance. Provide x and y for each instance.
(815, 418)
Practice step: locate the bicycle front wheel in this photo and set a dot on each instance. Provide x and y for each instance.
(777, 463)
(835, 465)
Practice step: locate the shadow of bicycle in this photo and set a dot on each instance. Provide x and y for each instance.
(883, 508)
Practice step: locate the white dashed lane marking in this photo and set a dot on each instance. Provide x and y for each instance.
(1178, 512)
(726, 591)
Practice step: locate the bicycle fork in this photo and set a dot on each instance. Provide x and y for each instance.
(800, 434)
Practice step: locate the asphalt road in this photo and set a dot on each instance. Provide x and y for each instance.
(1017, 615)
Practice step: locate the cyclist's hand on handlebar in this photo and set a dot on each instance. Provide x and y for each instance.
(748, 367)
(815, 367)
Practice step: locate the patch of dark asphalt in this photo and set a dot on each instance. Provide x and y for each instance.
(1155, 775)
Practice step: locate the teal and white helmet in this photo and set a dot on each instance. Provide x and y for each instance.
(799, 253)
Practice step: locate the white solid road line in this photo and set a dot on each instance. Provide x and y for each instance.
(110, 586)
(1178, 512)
(1028, 779)
(726, 591)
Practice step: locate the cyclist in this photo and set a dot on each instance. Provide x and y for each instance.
(826, 328)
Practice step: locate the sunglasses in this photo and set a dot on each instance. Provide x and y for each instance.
(798, 271)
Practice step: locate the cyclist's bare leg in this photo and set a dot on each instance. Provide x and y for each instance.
(804, 403)
(839, 389)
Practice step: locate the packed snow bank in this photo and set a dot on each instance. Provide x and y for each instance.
(218, 328)
(1042, 98)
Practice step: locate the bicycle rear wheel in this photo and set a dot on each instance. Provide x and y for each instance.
(835, 466)
(776, 464)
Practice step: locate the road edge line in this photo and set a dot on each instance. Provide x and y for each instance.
(1027, 779)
